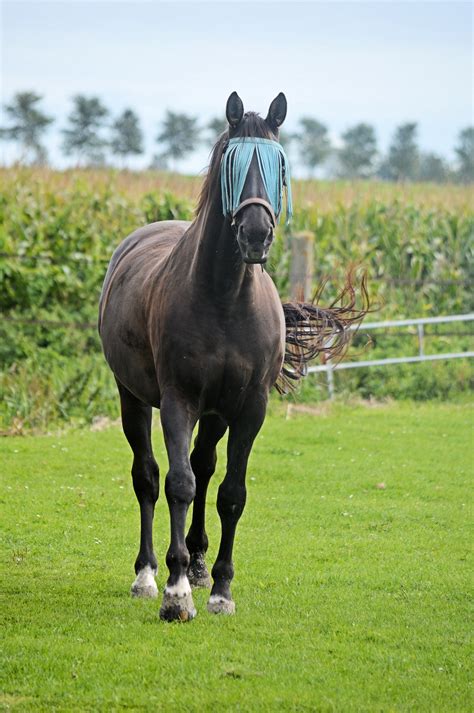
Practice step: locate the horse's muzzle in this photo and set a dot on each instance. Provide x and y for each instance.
(255, 247)
(256, 261)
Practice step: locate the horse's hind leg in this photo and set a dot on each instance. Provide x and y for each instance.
(136, 421)
(203, 463)
(231, 500)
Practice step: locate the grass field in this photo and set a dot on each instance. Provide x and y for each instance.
(350, 597)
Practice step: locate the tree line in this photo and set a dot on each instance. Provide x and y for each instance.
(92, 136)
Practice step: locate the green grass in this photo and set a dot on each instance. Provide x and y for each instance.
(349, 597)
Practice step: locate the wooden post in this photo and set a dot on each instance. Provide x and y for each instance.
(421, 335)
(301, 272)
(329, 377)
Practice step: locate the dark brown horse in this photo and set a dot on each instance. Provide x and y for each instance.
(192, 324)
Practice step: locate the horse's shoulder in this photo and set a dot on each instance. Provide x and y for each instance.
(142, 252)
(150, 240)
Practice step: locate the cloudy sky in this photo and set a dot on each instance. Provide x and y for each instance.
(341, 62)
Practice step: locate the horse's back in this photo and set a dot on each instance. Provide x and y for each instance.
(145, 247)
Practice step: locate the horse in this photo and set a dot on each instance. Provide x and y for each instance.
(192, 324)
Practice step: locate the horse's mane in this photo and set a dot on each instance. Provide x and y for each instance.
(251, 125)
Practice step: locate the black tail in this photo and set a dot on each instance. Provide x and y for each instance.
(313, 330)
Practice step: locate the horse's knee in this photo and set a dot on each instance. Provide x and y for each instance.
(180, 486)
(231, 501)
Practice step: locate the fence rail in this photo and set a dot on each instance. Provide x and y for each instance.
(329, 367)
(418, 321)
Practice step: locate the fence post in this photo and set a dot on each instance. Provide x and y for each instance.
(301, 272)
(421, 335)
(301, 283)
(330, 380)
(329, 374)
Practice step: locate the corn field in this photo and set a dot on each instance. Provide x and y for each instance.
(59, 229)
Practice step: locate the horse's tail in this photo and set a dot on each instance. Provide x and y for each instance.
(312, 329)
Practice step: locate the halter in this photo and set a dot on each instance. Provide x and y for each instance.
(274, 169)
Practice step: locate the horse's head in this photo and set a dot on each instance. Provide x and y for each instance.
(254, 171)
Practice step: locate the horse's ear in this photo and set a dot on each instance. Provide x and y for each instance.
(277, 112)
(234, 110)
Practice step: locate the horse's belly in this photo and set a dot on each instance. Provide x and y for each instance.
(131, 360)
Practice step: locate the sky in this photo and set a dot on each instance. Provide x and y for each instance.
(383, 62)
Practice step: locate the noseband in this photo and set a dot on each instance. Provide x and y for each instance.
(274, 170)
(258, 201)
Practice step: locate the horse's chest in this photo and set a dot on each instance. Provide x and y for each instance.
(224, 357)
(250, 353)
(222, 363)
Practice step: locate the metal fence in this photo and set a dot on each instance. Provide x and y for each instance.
(420, 325)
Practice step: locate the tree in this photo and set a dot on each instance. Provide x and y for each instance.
(465, 153)
(285, 140)
(216, 127)
(159, 163)
(179, 135)
(402, 163)
(127, 136)
(29, 125)
(83, 137)
(432, 168)
(314, 144)
(358, 151)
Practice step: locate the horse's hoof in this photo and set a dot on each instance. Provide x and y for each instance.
(200, 582)
(178, 602)
(220, 605)
(197, 572)
(144, 585)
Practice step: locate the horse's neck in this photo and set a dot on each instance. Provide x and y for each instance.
(217, 262)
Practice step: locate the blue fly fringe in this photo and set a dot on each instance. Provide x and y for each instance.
(274, 168)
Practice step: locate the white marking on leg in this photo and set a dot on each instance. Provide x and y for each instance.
(217, 599)
(145, 577)
(220, 605)
(178, 601)
(144, 584)
(181, 589)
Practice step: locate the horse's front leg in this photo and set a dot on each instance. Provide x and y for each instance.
(203, 462)
(178, 421)
(231, 499)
